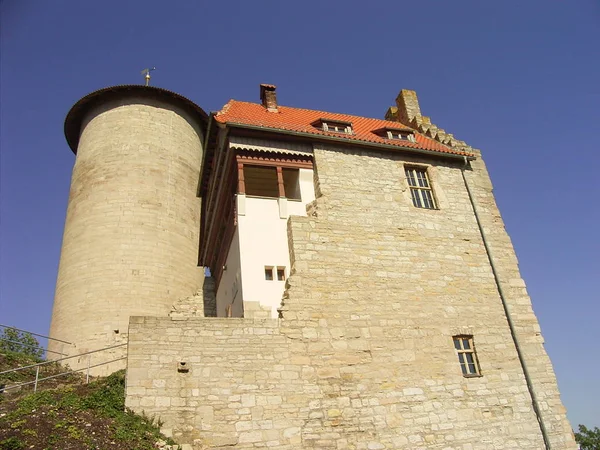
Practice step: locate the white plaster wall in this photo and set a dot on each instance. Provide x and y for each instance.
(307, 191)
(230, 287)
(263, 241)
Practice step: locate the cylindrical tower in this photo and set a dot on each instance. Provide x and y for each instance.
(130, 244)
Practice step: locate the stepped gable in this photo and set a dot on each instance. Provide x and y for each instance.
(408, 112)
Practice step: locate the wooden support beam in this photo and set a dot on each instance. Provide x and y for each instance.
(280, 181)
(241, 181)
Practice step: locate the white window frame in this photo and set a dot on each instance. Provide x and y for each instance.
(421, 191)
(400, 135)
(336, 127)
(467, 356)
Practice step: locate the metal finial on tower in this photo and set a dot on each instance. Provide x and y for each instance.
(146, 73)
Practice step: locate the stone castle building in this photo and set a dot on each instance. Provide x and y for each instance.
(364, 293)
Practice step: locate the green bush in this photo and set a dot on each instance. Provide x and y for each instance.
(12, 443)
(104, 398)
(20, 342)
(588, 439)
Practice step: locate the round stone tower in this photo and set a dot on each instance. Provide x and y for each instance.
(130, 244)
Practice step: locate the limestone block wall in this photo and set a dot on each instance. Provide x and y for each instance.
(423, 274)
(130, 243)
(363, 357)
(201, 304)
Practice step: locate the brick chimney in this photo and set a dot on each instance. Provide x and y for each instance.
(408, 107)
(268, 97)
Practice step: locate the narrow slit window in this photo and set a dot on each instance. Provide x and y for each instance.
(466, 355)
(420, 188)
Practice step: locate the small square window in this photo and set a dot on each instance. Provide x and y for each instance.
(268, 273)
(281, 274)
(420, 188)
(466, 355)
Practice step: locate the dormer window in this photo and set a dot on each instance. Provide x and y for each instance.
(334, 126)
(400, 135)
(396, 134)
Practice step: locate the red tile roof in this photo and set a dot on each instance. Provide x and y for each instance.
(301, 120)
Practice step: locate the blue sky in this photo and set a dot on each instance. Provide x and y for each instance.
(518, 79)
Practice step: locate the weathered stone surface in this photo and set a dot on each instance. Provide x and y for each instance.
(130, 243)
(362, 357)
(201, 304)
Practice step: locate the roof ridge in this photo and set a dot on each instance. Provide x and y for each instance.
(408, 127)
(290, 118)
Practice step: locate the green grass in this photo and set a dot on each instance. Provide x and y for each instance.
(104, 398)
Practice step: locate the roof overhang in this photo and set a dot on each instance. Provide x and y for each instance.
(356, 143)
(78, 112)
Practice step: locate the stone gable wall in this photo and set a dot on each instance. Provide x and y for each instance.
(362, 357)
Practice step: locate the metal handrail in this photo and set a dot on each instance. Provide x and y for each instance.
(38, 365)
(37, 380)
(61, 359)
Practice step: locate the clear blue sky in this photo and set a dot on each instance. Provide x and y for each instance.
(518, 79)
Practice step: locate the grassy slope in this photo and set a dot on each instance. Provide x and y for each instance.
(76, 416)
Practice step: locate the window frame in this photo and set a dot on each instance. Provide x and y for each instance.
(334, 126)
(287, 184)
(269, 272)
(282, 166)
(463, 355)
(280, 269)
(418, 191)
(251, 172)
(398, 135)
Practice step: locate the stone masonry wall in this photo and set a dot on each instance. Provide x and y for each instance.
(130, 243)
(363, 357)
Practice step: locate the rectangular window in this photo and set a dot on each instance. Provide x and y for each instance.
(268, 273)
(281, 274)
(333, 126)
(261, 181)
(291, 184)
(337, 128)
(420, 188)
(400, 135)
(466, 355)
